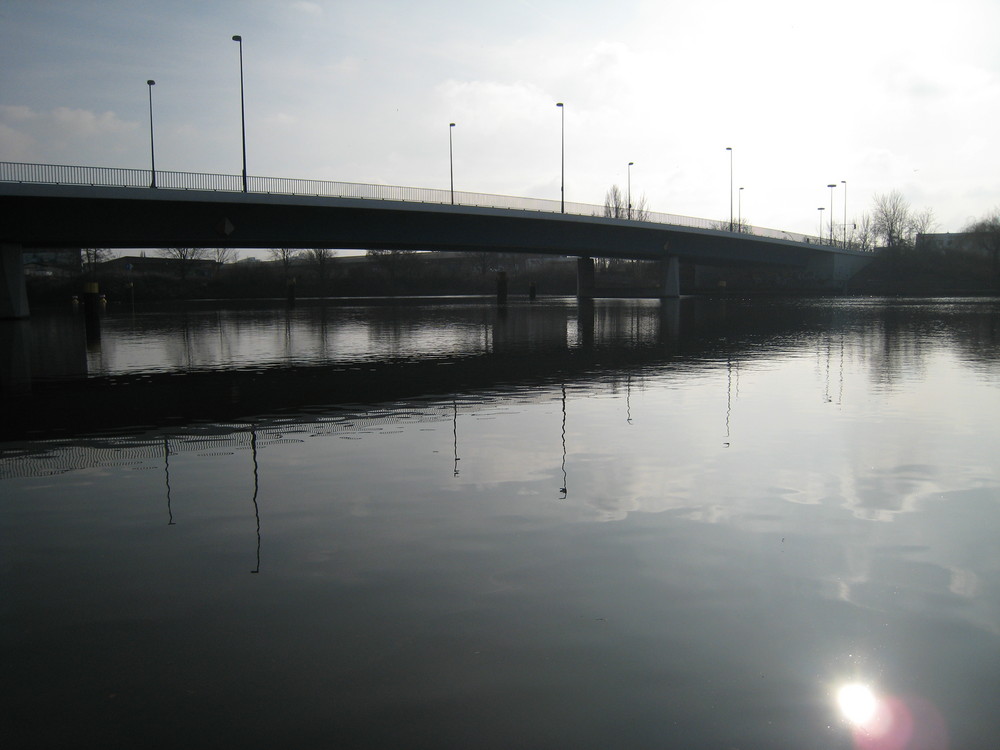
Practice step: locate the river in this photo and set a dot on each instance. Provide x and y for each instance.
(706, 523)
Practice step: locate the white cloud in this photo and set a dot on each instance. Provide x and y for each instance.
(64, 134)
(311, 9)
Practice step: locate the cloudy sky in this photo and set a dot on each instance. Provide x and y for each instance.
(885, 94)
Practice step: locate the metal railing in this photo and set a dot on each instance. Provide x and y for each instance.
(57, 174)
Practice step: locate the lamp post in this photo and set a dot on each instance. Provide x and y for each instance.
(844, 183)
(739, 210)
(820, 224)
(152, 151)
(730, 150)
(562, 151)
(243, 112)
(629, 170)
(832, 185)
(451, 162)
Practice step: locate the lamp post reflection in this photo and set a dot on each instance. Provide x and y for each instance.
(256, 485)
(166, 471)
(628, 398)
(454, 432)
(563, 489)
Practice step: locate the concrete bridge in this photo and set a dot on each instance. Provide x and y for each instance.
(51, 206)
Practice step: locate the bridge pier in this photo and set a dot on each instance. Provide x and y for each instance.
(13, 294)
(585, 278)
(670, 278)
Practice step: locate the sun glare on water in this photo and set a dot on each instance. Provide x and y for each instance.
(857, 703)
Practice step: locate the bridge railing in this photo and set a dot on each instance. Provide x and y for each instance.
(57, 174)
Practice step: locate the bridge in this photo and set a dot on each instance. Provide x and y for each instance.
(56, 206)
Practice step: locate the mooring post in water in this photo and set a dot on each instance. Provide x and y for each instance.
(501, 287)
(290, 292)
(92, 310)
(532, 291)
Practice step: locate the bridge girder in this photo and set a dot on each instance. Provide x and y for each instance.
(57, 215)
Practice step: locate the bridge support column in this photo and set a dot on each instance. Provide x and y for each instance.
(501, 287)
(670, 279)
(13, 295)
(585, 278)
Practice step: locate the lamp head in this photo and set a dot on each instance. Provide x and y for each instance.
(151, 82)
(237, 38)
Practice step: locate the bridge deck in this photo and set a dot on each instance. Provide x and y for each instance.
(49, 206)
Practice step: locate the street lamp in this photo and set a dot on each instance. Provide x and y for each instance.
(243, 111)
(739, 215)
(562, 150)
(451, 162)
(844, 183)
(152, 152)
(730, 150)
(820, 209)
(629, 170)
(832, 185)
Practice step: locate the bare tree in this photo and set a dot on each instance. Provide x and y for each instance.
(895, 225)
(863, 233)
(223, 255)
(319, 258)
(891, 220)
(986, 238)
(741, 225)
(616, 206)
(922, 222)
(391, 262)
(614, 203)
(183, 257)
(284, 256)
(640, 211)
(484, 261)
(90, 257)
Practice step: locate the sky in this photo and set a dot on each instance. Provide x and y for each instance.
(883, 94)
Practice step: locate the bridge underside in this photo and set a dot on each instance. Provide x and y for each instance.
(66, 216)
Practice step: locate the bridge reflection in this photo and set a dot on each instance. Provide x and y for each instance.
(54, 382)
(321, 357)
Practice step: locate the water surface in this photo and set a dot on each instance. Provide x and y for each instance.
(440, 524)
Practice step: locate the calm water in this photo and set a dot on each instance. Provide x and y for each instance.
(442, 525)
